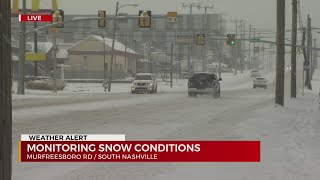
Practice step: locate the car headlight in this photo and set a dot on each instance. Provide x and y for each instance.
(150, 84)
(133, 84)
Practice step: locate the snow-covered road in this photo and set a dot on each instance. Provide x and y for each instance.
(241, 113)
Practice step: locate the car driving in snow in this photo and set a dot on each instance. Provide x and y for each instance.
(204, 83)
(288, 68)
(260, 82)
(144, 83)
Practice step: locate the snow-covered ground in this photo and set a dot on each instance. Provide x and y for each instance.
(230, 81)
(290, 135)
(290, 140)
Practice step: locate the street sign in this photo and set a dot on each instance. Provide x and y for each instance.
(172, 16)
(35, 18)
(145, 19)
(200, 39)
(35, 57)
(184, 38)
(253, 40)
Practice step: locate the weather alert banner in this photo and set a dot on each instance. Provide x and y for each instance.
(114, 148)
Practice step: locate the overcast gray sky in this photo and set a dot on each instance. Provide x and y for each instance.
(260, 13)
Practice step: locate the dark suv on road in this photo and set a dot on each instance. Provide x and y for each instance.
(204, 83)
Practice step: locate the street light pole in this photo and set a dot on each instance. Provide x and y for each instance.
(112, 50)
(54, 61)
(104, 59)
(22, 50)
(113, 39)
(171, 64)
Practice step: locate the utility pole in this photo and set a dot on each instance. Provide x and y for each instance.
(279, 91)
(294, 50)
(254, 46)
(205, 7)
(249, 52)
(171, 66)
(305, 56)
(309, 45)
(243, 24)
(236, 48)
(259, 52)
(22, 51)
(54, 42)
(35, 42)
(112, 50)
(315, 56)
(125, 55)
(190, 6)
(204, 62)
(149, 59)
(189, 63)
(221, 49)
(5, 89)
(190, 26)
(136, 58)
(104, 59)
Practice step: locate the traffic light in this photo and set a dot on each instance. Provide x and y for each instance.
(200, 39)
(231, 39)
(102, 21)
(58, 16)
(145, 19)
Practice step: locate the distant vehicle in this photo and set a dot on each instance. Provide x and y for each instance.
(260, 82)
(37, 78)
(204, 83)
(255, 73)
(288, 68)
(144, 83)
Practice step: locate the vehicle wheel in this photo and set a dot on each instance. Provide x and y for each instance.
(265, 87)
(156, 90)
(132, 92)
(254, 87)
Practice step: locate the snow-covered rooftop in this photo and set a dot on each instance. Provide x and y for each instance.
(108, 42)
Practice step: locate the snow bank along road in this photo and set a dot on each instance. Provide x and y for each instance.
(172, 116)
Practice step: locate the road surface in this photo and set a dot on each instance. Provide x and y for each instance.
(166, 116)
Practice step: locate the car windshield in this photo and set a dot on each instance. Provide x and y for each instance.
(260, 79)
(143, 77)
(203, 76)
